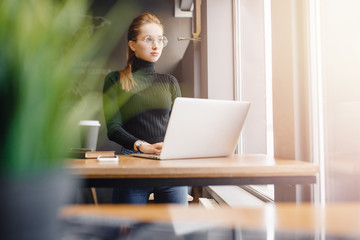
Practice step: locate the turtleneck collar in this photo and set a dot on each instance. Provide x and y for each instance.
(142, 65)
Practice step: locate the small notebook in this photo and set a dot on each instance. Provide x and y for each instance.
(88, 153)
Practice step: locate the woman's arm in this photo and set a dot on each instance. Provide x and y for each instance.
(112, 101)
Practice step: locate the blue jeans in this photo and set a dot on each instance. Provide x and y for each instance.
(140, 195)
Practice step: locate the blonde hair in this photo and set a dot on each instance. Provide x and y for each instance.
(126, 78)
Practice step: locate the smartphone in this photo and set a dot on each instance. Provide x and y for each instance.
(108, 159)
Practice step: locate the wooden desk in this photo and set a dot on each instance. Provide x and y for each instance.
(235, 170)
(336, 219)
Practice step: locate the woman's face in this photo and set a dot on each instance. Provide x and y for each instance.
(148, 45)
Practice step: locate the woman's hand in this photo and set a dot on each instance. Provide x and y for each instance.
(151, 148)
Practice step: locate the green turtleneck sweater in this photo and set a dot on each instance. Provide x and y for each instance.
(143, 112)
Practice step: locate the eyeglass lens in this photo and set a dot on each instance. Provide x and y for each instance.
(160, 40)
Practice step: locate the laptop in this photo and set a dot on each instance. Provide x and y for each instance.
(202, 128)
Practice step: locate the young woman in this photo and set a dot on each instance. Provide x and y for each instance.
(137, 105)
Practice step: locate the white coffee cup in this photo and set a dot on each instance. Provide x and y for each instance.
(89, 130)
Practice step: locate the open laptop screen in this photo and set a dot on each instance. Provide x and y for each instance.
(201, 128)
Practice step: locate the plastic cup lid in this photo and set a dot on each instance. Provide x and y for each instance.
(89, 123)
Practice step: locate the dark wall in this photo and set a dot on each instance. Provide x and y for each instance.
(171, 56)
(174, 28)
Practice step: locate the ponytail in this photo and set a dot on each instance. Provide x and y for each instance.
(126, 78)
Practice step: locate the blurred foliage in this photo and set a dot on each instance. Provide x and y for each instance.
(44, 43)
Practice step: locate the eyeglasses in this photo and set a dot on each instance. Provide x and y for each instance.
(150, 40)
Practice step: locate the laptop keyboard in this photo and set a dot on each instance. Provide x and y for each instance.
(144, 155)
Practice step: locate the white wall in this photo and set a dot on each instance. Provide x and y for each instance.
(252, 74)
(290, 82)
(217, 71)
(341, 87)
(317, 116)
(283, 84)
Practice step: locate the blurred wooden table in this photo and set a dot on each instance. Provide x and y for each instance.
(333, 220)
(235, 170)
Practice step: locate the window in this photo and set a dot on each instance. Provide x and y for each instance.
(253, 77)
